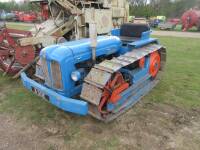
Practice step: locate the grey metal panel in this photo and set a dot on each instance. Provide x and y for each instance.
(128, 58)
(111, 65)
(91, 93)
(123, 63)
(98, 77)
(104, 68)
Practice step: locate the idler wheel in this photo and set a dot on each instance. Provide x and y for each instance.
(154, 64)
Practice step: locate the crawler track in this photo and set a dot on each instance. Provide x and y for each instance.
(101, 73)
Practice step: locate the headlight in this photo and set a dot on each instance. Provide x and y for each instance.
(76, 76)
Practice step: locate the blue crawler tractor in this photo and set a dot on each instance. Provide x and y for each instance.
(128, 65)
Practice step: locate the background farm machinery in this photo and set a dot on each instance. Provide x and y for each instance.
(20, 16)
(31, 16)
(7, 16)
(68, 20)
(170, 24)
(155, 21)
(190, 19)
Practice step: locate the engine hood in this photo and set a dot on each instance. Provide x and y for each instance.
(81, 49)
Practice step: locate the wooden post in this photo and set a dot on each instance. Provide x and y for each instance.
(93, 35)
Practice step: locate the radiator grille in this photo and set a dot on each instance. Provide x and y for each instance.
(56, 75)
(52, 77)
(45, 71)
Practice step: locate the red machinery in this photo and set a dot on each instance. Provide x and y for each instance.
(32, 16)
(13, 56)
(29, 17)
(174, 21)
(190, 19)
(26, 17)
(18, 14)
(44, 10)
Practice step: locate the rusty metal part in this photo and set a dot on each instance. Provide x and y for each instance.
(112, 90)
(13, 56)
(17, 75)
(142, 62)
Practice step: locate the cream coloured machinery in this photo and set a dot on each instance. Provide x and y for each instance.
(107, 14)
(69, 20)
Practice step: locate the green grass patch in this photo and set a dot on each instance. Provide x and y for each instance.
(178, 28)
(19, 26)
(180, 85)
(18, 101)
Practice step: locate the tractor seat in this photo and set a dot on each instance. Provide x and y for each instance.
(130, 32)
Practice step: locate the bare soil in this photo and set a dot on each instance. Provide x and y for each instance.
(147, 126)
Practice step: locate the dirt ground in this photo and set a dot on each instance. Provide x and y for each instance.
(147, 126)
(177, 34)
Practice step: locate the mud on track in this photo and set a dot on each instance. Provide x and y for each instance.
(147, 126)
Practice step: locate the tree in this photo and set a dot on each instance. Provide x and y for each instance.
(12, 6)
(169, 8)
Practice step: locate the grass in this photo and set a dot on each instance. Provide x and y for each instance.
(179, 29)
(19, 26)
(179, 86)
(18, 101)
(181, 83)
